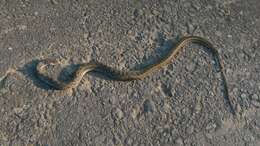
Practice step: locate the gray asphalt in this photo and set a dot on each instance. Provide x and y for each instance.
(183, 104)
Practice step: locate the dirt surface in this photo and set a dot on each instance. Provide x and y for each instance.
(182, 104)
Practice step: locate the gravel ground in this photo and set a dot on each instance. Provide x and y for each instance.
(182, 104)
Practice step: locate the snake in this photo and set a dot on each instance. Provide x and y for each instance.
(136, 74)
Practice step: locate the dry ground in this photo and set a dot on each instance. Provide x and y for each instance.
(182, 104)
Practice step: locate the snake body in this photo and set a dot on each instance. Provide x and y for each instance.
(134, 74)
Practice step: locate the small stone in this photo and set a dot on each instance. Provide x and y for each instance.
(191, 67)
(85, 35)
(128, 141)
(164, 134)
(166, 107)
(54, 2)
(174, 132)
(258, 122)
(116, 140)
(238, 108)
(130, 32)
(211, 126)
(155, 12)
(22, 27)
(99, 139)
(18, 110)
(137, 12)
(112, 100)
(186, 111)
(36, 13)
(208, 135)
(255, 97)
(243, 96)
(196, 5)
(3, 136)
(255, 103)
(190, 28)
(218, 33)
(248, 137)
(179, 141)
(209, 7)
(117, 113)
(229, 71)
(10, 48)
(229, 36)
(135, 112)
(235, 90)
(3, 90)
(190, 129)
(148, 106)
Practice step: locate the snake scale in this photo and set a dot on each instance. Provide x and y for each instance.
(139, 74)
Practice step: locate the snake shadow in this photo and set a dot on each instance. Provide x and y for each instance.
(66, 74)
(163, 49)
(165, 46)
(29, 71)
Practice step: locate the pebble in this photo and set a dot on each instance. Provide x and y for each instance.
(190, 129)
(148, 106)
(235, 90)
(209, 7)
(166, 107)
(137, 12)
(211, 126)
(22, 27)
(196, 5)
(86, 35)
(243, 96)
(129, 141)
(113, 100)
(208, 135)
(99, 139)
(190, 28)
(116, 140)
(174, 132)
(54, 2)
(10, 48)
(255, 103)
(218, 33)
(135, 111)
(18, 110)
(248, 137)
(238, 108)
(117, 113)
(36, 13)
(191, 67)
(155, 12)
(258, 122)
(255, 97)
(179, 141)
(186, 111)
(229, 36)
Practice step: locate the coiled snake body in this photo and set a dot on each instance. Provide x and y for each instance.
(135, 74)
